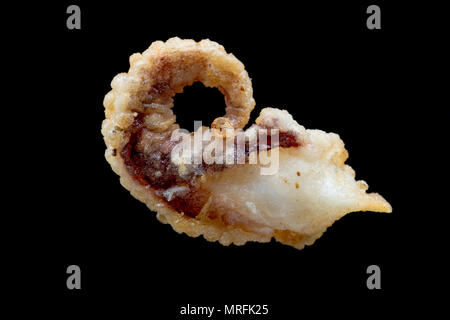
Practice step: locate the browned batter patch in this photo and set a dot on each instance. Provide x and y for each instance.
(157, 171)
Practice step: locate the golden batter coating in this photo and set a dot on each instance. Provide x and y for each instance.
(227, 203)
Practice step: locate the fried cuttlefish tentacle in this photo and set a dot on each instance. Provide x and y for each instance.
(226, 202)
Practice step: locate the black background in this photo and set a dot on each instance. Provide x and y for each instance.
(319, 62)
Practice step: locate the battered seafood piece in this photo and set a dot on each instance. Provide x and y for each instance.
(229, 203)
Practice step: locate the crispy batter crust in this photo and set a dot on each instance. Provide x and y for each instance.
(146, 93)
